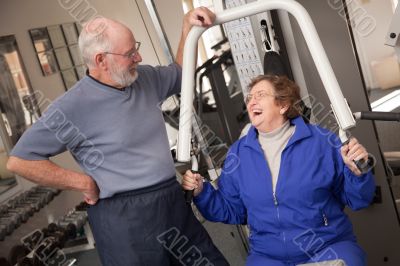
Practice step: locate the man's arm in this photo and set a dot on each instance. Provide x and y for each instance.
(47, 173)
(200, 16)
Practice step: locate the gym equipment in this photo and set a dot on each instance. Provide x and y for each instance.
(381, 116)
(194, 170)
(338, 102)
(16, 253)
(19, 209)
(3, 232)
(392, 37)
(81, 206)
(7, 226)
(41, 247)
(273, 62)
(13, 219)
(368, 115)
(4, 262)
(32, 240)
(61, 234)
(30, 206)
(77, 217)
(20, 212)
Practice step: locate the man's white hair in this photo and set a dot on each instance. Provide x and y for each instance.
(94, 39)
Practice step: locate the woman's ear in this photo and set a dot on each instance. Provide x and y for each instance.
(284, 109)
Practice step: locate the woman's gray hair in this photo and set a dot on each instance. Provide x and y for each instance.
(94, 39)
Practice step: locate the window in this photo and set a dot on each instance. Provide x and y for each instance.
(17, 107)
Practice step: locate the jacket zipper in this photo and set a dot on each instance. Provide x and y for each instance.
(276, 203)
(325, 219)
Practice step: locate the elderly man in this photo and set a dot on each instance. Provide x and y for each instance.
(112, 124)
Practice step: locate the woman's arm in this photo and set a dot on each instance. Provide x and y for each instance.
(218, 205)
(355, 190)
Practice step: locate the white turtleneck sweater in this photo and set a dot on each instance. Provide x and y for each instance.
(273, 143)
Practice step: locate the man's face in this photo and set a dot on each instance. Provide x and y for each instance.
(124, 75)
(122, 65)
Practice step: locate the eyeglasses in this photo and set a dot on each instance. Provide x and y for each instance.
(258, 95)
(129, 55)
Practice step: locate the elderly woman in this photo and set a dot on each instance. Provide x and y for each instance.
(289, 182)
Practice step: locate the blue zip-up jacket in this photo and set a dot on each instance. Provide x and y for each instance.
(305, 214)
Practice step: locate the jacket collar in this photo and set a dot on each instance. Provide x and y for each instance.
(301, 132)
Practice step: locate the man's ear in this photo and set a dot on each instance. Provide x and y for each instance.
(100, 60)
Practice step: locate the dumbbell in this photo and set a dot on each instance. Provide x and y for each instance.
(42, 244)
(52, 231)
(82, 214)
(58, 233)
(45, 197)
(41, 199)
(8, 226)
(27, 208)
(27, 196)
(35, 205)
(46, 250)
(4, 262)
(32, 240)
(78, 219)
(9, 223)
(62, 233)
(16, 217)
(55, 191)
(3, 232)
(20, 211)
(69, 227)
(82, 206)
(52, 191)
(3, 209)
(17, 252)
(49, 194)
(27, 262)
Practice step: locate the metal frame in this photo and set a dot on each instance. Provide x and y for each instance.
(339, 104)
(392, 37)
(160, 31)
(221, 95)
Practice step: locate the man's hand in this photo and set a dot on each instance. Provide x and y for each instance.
(353, 151)
(91, 193)
(192, 181)
(47, 173)
(200, 16)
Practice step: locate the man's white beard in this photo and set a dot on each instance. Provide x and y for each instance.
(123, 77)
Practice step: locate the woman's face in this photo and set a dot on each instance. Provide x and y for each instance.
(265, 114)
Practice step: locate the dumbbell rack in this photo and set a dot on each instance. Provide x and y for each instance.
(19, 209)
(50, 213)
